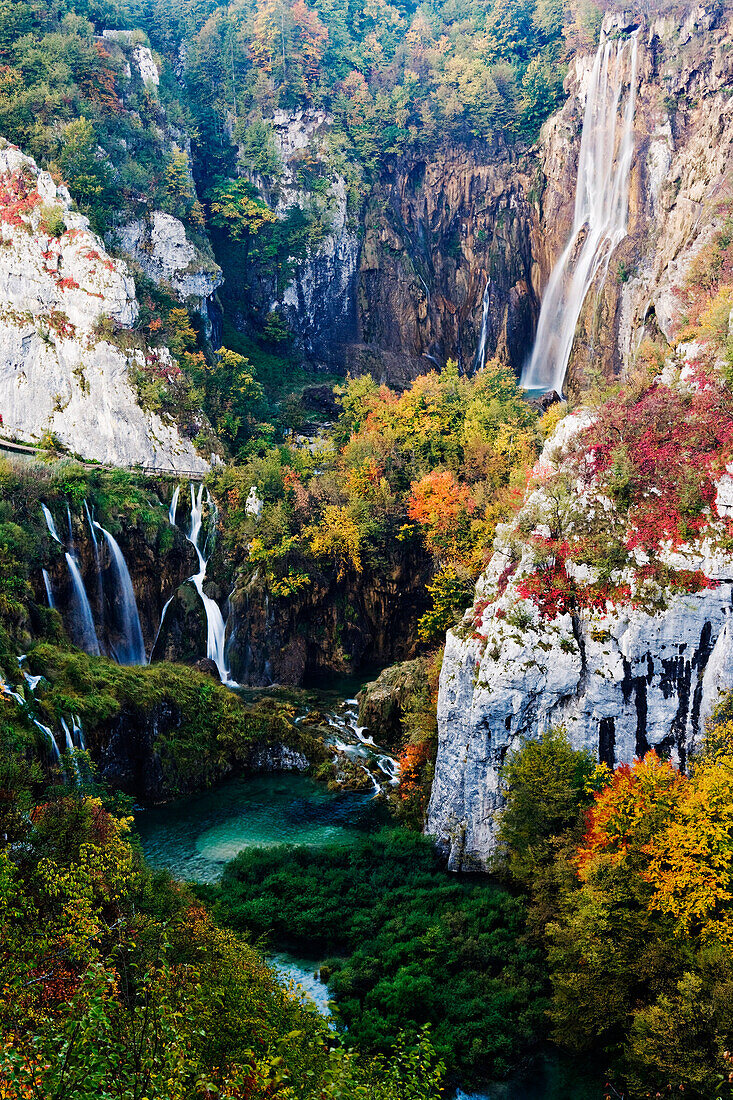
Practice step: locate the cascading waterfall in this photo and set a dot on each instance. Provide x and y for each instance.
(97, 563)
(49, 589)
(215, 627)
(131, 649)
(88, 640)
(601, 209)
(479, 361)
(50, 524)
(174, 506)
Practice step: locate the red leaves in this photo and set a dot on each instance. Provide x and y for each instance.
(18, 197)
(659, 456)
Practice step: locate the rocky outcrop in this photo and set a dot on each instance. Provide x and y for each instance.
(620, 680)
(319, 304)
(383, 702)
(160, 246)
(332, 626)
(61, 373)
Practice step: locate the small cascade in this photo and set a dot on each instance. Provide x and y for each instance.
(601, 209)
(215, 627)
(78, 732)
(131, 648)
(87, 635)
(349, 740)
(49, 589)
(174, 506)
(97, 564)
(50, 524)
(70, 527)
(50, 738)
(166, 605)
(479, 361)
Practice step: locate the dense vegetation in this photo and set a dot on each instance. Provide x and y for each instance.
(629, 876)
(115, 984)
(435, 466)
(421, 947)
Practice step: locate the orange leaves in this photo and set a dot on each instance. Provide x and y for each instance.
(674, 833)
(441, 505)
(691, 862)
(636, 805)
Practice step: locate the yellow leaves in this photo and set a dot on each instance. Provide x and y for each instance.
(691, 862)
(338, 537)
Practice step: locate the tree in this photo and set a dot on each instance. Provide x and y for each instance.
(79, 162)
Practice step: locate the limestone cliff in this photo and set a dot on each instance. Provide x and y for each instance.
(62, 296)
(621, 677)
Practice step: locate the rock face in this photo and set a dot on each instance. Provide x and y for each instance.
(447, 254)
(160, 246)
(319, 305)
(330, 627)
(620, 681)
(60, 372)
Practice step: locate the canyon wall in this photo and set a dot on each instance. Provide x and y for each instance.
(622, 679)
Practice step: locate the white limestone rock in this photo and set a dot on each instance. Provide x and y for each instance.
(166, 255)
(56, 374)
(620, 681)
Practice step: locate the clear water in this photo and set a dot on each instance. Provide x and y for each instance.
(193, 838)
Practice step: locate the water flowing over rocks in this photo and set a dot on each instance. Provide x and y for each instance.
(620, 681)
(58, 375)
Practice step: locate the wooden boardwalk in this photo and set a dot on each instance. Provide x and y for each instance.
(11, 447)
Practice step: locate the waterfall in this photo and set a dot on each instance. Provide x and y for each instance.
(71, 529)
(131, 650)
(166, 605)
(215, 628)
(50, 737)
(174, 507)
(601, 209)
(98, 566)
(479, 361)
(50, 524)
(49, 589)
(88, 640)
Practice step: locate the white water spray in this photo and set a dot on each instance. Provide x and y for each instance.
(50, 524)
(85, 621)
(215, 627)
(601, 209)
(49, 589)
(131, 650)
(174, 506)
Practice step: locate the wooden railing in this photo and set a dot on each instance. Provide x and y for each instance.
(147, 471)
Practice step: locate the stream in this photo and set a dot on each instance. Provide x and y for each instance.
(194, 837)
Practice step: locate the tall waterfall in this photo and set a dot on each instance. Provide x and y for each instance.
(215, 628)
(87, 635)
(99, 585)
(130, 649)
(479, 361)
(601, 209)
